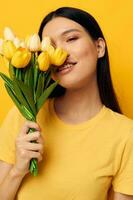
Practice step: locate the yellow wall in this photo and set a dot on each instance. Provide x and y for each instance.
(115, 18)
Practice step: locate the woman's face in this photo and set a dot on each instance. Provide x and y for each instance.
(80, 67)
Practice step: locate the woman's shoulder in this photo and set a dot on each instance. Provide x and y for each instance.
(119, 116)
(119, 121)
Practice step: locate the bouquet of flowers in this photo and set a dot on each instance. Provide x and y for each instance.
(30, 63)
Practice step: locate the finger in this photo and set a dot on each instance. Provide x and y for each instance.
(32, 154)
(33, 147)
(40, 140)
(27, 125)
(34, 136)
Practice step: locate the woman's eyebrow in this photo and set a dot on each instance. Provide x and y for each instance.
(66, 32)
(70, 30)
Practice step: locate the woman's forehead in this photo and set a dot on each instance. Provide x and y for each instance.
(61, 26)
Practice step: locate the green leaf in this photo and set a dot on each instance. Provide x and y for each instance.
(17, 103)
(45, 95)
(32, 58)
(20, 95)
(12, 95)
(11, 70)
(20, 74)
(26, 78)
(47, 80)
(23, 74)
(17, 73)
(8, 81)
(40, 85)
(27, 92)
(36, 74)
(29, 75)
(28, 113)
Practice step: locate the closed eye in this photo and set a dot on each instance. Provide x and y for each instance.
(72, 39)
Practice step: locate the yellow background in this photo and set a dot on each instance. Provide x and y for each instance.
(115, 19)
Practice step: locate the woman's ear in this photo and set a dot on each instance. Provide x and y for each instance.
(100, 45)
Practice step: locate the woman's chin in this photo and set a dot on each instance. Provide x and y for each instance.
(68, 82)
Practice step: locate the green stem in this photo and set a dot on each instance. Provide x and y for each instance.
(33, 167)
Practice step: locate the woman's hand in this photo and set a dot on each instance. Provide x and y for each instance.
(25, 150)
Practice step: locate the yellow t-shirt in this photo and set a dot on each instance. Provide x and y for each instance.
(81, 161)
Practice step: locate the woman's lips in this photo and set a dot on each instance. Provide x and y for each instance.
(66, 68)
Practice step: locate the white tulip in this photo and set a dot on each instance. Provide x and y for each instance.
(45, 43)
(1, 43)
(17, 42)
(34, 43)
(8, 34)
(23, 44)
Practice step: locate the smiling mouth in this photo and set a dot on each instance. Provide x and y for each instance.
(65, 66)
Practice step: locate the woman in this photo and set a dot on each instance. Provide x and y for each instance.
(85, 143)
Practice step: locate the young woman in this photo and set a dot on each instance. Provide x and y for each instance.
(84, 143)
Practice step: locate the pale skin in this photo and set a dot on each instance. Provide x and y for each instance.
(81, 82)
(11, 176)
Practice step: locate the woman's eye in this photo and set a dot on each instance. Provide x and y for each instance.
(72, 38)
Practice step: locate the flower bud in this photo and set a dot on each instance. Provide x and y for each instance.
(23, 44)
(44, 61)
(27, 39)
(45, 43)
(34, 43)
(8, 49)
(59, 57)
(51, 50)
(8, 34)
(4, 61)
(21, 58)
(17, 42)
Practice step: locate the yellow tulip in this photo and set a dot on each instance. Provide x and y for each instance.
(51, 50)
(44, 61)
(1, 48)
(8, 49)
(21, 58)
(4, 61)
(58, 57)
(46, 46)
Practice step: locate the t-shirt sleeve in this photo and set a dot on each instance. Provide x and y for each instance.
(8, 133)
(123, 180)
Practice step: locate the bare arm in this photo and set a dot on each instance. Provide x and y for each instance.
(118, 196)
(10, 181)
(11, 176)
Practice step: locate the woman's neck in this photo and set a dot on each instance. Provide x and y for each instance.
(79, 105)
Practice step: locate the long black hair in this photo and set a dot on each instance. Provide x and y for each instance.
(87, 21)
